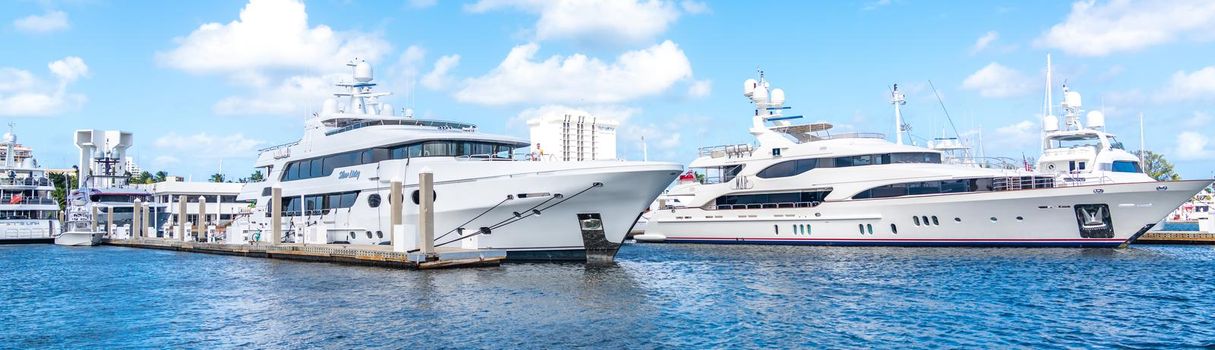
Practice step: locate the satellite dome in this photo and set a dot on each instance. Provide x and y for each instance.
(760, 95)
(362, 72)
(1050, 123)
(778, 96)
(1096, 119)
(9, 137)
(749, 87)
(329, 107)
(386, 109)
(1071, 99)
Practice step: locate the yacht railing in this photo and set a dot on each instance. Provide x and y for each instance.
(1014, 183)
(28, 200)
(850, 135)
(730, 151)
(25, 182)
(285, 145)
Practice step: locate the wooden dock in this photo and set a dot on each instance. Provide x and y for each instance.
(1176, 237)
(366, 255)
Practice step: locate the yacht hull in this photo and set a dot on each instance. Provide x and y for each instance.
(1082, 216)
(21, 231)
(78, 239)
(564, 200)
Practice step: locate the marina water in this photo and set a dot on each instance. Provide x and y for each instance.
(655, 296)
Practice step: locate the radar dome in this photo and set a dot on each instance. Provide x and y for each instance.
(329, 107)
(1072, 99)
(760, 95)
(386, 109)
(9, 137)
(1096, 119)
(749, 87)
(778, 96)
(409, 113)
(1050, 123)
(362, 72)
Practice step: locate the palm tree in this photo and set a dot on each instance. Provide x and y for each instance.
(161, 176)
(256, 177)
(217, 177)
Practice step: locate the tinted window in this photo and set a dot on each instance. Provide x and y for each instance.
(1127, 166)
(788, 168)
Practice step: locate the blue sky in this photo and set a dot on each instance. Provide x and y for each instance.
(208, 82)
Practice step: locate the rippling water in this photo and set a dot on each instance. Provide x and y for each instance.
(656, 296)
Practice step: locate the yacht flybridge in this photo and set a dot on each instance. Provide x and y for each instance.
(335, 184)
(1080, 154)
(802, 185)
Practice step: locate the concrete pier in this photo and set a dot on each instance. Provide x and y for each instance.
(1176, 237)
(366, 255)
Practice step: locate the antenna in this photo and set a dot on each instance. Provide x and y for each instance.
(1142, 147)
(645, 153)
(896, 98)
(942, 102)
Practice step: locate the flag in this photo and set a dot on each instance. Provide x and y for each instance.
(17, 198)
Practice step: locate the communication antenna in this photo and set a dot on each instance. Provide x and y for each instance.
(942, 102)
(897, 99)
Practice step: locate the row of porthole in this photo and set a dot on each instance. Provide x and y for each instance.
(801, 229)
(924, 221)
(863, 227)
(378, 234)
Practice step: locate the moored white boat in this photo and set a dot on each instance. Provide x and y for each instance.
(803, 185)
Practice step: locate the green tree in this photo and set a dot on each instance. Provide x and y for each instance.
(61, 181)
(257, 176)
(217, 177)
(1157, 167)
(160, 176)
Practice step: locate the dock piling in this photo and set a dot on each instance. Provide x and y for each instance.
(181, 217)
(426, 213)
(149, 231)
(94, 221)
(109, 222)
(395, 204)
(202, 219)
(135, 230)
(276, 215)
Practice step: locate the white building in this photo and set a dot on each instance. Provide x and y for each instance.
(131, 167)
(573, 137)
(221, 204)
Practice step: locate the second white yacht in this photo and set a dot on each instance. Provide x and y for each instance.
(335, 185)
(802, 185)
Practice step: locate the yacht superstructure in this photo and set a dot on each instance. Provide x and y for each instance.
(802, 185)
(1082, 154)
(28, 214)
(335, 184)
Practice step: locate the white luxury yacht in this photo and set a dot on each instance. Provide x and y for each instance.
(1080, 154)
(103, 184)
(803, 185)
(335, 183)
(28, 214)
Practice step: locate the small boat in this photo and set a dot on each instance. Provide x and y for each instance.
(81, 230)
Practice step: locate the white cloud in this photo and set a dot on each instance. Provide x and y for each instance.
(438, 78)
(230, 146)
(1199, 85)
(51, 21)
(984, 41)
(1198, 120)
(1193, 146)
(419, 4)
(996, 80)
(23, 94)
(700, 88)
(596, 21)
(578, 78)
(1093, 29)
(1017, 135)
(694, 7)
(294, 94)
(273, 49)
